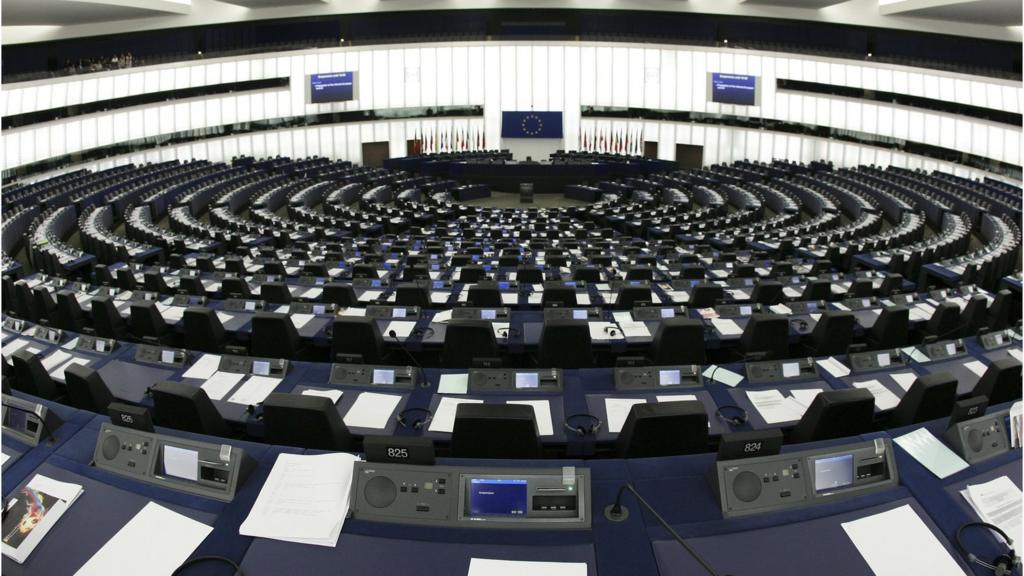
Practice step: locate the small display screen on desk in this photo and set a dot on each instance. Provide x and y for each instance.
(833, 472)
(579, 314)
(488, 314)
(319, 309)
(383, 376)
(497, 497)
(167, 356)
(250, 306)
(790, 369)
(668, 378)
(398, 313)
(261, 368)
(668, 313)
(527, 380)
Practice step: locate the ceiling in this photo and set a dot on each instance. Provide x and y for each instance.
(42, 20)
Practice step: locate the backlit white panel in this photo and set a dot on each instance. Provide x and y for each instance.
(476, 75)
(668, 81)
(150, 121)
(634, 78)
(915, 84)
(493, 93)
(900, 123)
(380, 80)
(588, 75)
(900, 82)
(556, 79)
(58, 144)
(979, 139)
(571, 105)
(445, 96)
(916, 124)
(136, 128)
(604, 68)
(104, 130)
(979, 94)
(652, 79)
(696, 82)
(396, 78)
(428, 76)
(523, 78)
(72, 134)
(539, 79)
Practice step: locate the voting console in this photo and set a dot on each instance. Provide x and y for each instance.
(454, 496)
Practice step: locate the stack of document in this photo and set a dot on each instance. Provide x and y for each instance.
(332, 395)
(32, 511)
(997, 502)
(372, 410)
(254, 390)
(133, 547)
(304, 500)
(726, 327)
(884, 398)
(487, 567)
(775, 408)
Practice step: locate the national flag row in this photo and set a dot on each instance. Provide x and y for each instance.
(453, 140)
(612, 141)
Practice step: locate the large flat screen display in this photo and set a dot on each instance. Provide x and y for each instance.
(497, 497)
(333, 87)
(733, 89)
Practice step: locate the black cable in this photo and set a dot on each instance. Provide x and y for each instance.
(238, 569)
(616, 510)
(423, 376)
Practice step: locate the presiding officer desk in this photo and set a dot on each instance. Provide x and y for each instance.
(801, 539)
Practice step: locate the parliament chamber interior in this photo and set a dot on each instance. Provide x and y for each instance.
(496, 288)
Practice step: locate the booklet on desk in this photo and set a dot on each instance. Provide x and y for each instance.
(32, 511)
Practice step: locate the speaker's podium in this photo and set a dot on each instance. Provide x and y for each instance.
(526, 193)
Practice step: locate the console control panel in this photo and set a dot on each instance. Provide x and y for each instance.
(515, 381)
(657, 377)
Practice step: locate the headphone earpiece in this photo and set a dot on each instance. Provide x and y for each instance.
(415, 424)
(739, 420)
(581, 431)
(1002, 565)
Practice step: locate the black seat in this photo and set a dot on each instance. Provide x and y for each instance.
(862, 288)
(187, 408)
(357, 335)
(588, 274)
(153, 281)
(86, 389)
(640, 273)
(1001, 382)
(1000, 311)
(24, 305)
(630, 296)
(106, 320)
(274, 336)
(483, 296)
(891, 328)
(565, 344)
(203, 330)
(44, 304)
(945, 321)
(30, 376)
(817, 290)
(412, 295)
(69, 315)
(191, 285)
(304, 421)
(974, 316)
(472, 274)
(340, 294)
(930, 396)
(766, 336)
(102, 275)
(495, 431)
(275, 293)
(126, 279)
(529, 275)
(663, 429)
(146, 321)
(364, 271)
(705, 295)
(467, 340)
(564, 296)
(891, 283)
(835, 414)
(833, 333)
(767, 292)
(678, 341)
(235, 288)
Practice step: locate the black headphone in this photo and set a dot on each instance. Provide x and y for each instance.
(739, 420)
(1004, 564)
(581, 431)
(414, 424)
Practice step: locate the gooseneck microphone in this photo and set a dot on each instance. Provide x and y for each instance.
(423, 375)
(617, 513)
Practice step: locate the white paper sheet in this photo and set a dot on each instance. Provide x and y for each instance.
(510, 299)
(353, 311)
(305, 500)
(924, 447)
(218, 385)
(13, 346)
(834, 367)
(884, 399)
(675, 397)
(332, 395)
(978, 368)
(453, 384)
(617, 410)
(602, 331)
(804, 397)
(402, 329)
(485, 567)
(444, 416)
(884, 539)
(635, 330)
(54, 360)
(369, 295)
(726, 327)
(904, 379)
(774, 407)
(300, 320)
(542, 414)
(372, 410)
(204, 367)
(997, 502)
(132, 546)
(254, 390)
(442, 317)
(723, 375)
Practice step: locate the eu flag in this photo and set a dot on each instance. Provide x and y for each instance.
(531, 124)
